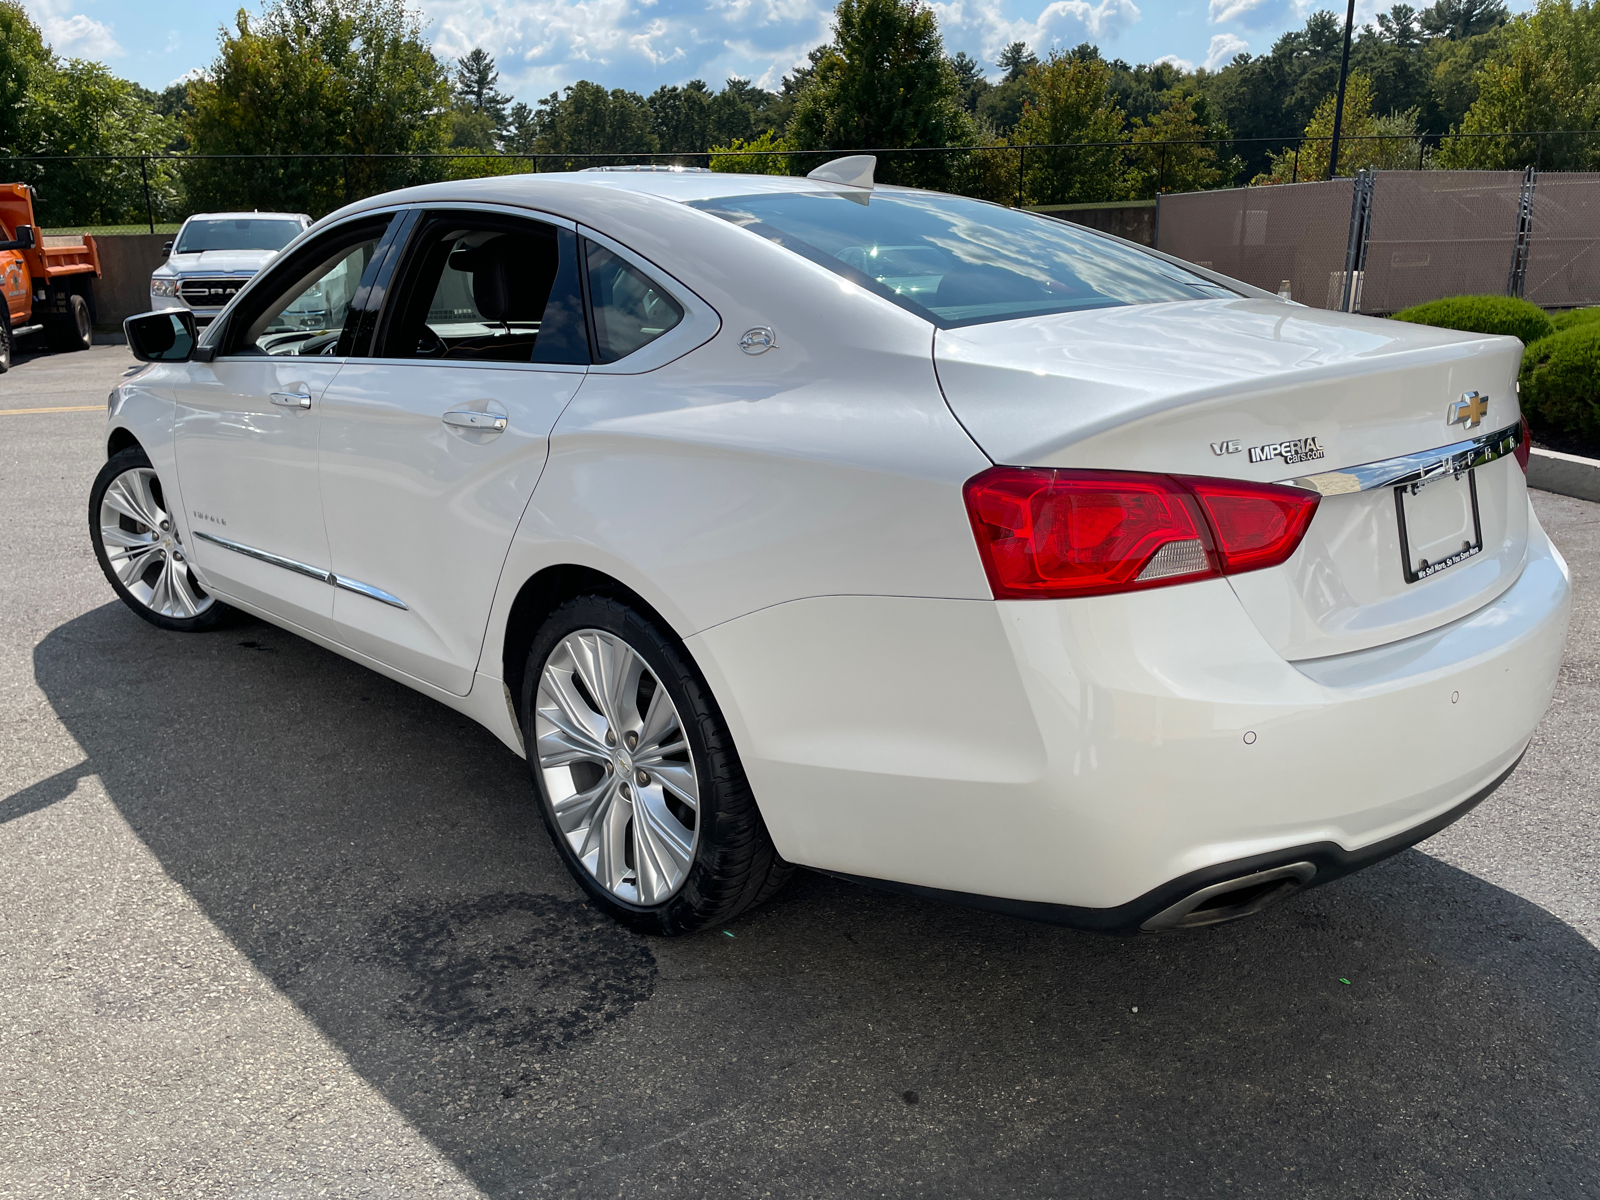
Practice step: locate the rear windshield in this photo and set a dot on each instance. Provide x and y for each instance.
(956, 261)
(241, 233)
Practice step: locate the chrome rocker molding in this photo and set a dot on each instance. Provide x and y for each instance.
(1414, 468)
(300, 568)
(1167, 906)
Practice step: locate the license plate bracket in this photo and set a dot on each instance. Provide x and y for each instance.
(1439, 523)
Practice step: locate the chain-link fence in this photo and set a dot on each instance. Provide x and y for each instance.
(162, 189)
(1391, 239)
(1286, 238)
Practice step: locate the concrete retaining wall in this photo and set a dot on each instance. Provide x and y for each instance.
(126, 263)
(1565, 474)
(1134, 219)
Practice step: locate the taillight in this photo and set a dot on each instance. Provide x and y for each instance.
(1255, 524)
(1056, 533)
(1524, 449)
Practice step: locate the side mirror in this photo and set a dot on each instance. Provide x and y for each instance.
(166, 336)
(24, 239)
(166, 250)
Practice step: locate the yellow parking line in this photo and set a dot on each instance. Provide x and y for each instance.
(18, 412)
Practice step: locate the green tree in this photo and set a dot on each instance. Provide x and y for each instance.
(1546, 76)
(1170, 153)
(475, 88)
(884, 83)
(330, 77)
(478, 116)
(25, 63)
(970, 83)
(1072, 102)
(1366, 140)
(681, 117)
(80, 109)
(1016, 60)
(1462, 19)
(588, 119)
(743, 111)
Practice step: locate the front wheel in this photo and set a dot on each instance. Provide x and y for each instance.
(140, 550)
(637, 776)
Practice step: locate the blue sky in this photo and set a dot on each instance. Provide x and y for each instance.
(542, 45)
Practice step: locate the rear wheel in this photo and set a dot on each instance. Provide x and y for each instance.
(73, 331)
(140, 550)
(637, 776)
(5, 345)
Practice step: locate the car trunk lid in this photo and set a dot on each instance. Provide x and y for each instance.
(1272, 392)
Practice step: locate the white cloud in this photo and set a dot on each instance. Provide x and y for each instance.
(189, 76)
(1063, 23)
(1254, 14)
(1223, 47)
(79, 36)
(1172, 60)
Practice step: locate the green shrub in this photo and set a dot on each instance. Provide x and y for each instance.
(1483, 314)
(1561, 380)
(1574, 316)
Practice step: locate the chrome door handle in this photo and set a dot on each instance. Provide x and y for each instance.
(291, 399)
(465, 418)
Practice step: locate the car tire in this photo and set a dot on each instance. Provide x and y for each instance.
(140, 550)
(593, 725)
(73, 331)
(5, 345)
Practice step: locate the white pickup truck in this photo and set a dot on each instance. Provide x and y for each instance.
(215, 254)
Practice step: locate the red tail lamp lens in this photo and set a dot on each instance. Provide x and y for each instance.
(1059, 533)
(1083, 533)
(1524, 449)
(1256, 524)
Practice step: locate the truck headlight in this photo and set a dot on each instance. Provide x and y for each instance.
(163, 287)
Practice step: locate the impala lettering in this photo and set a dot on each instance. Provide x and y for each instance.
(200, 516)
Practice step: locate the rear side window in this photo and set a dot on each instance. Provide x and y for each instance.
(629, 309)
(490, 291)
(956, 261)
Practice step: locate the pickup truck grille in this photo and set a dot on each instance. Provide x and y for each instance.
(209, 293)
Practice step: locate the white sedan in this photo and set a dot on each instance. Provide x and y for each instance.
(913, 539)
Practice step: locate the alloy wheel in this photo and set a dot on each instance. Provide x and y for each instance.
(616, 765)
(144, 548)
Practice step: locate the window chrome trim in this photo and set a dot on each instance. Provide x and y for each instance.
(1414, 468)
(306, 569)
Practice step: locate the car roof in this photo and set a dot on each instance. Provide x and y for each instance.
(246, 216)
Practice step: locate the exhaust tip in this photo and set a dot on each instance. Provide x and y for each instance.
(1232, 898)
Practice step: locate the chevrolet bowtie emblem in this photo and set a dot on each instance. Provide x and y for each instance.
(1470, 410)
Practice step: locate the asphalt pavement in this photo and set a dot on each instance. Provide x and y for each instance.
(274, 926)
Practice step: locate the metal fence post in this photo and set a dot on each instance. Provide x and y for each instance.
(144, 175)
(1296, 177)
(1356, 248)
(1022, 158)
(1516, 281)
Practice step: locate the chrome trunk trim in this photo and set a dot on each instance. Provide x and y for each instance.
(1414, 468)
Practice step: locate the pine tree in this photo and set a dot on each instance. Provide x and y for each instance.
(475, 82)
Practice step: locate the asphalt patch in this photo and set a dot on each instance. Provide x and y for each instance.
(534, 972)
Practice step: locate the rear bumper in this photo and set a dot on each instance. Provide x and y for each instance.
(1327, 860)
(1082, 760)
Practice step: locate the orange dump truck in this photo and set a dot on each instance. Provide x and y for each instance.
(48, 281)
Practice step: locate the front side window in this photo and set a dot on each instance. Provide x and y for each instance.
(490, 290)
(309, 315)
(630, 310)
(956, 261)
(236, 233)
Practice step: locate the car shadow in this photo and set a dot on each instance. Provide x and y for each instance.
(1410, 1031)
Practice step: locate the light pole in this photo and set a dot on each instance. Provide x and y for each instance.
(1344, 72)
